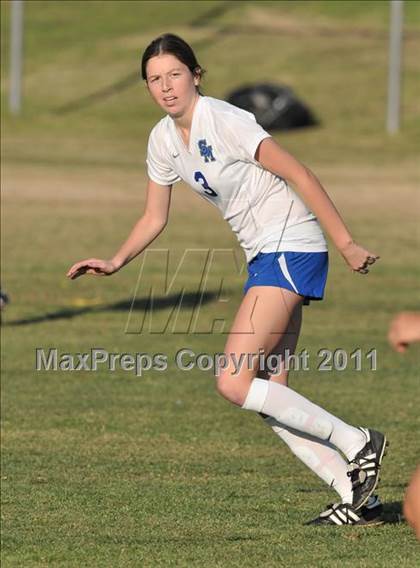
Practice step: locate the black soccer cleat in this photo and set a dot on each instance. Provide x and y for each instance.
(364, 468)
(341, 514)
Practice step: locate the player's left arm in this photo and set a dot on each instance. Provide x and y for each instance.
(274, 158)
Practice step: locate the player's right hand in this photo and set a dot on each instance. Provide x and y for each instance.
(92, 266)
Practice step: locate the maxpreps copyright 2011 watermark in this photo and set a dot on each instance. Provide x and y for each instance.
(185, 359)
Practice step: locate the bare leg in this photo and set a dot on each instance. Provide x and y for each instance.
(260, 324)
(286, 345)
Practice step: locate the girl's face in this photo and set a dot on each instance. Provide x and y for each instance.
(171, 84)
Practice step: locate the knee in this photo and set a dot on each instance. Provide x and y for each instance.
(233, 388)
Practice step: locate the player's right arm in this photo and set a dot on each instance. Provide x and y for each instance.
(149, 226)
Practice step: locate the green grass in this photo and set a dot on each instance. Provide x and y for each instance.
(110, 469)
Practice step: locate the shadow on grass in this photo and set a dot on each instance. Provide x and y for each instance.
(187, 300)
(130, 80)
(210, 18)
(393, 514)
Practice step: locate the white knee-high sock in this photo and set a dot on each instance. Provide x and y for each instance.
(320, 456)
(297, 412)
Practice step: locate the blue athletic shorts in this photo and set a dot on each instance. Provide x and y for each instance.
(304, 273)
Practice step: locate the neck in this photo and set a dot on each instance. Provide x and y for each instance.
(184, 122)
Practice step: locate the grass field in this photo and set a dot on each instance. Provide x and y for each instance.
(109, 469)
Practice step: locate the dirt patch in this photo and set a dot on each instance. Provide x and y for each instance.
(366, 191)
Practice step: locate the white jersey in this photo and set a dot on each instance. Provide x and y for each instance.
(264, 212)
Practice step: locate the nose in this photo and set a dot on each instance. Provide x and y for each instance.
(166, 84)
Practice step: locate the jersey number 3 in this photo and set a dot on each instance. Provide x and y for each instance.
(198, 176)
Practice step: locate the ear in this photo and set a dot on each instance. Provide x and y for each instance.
(197, 76)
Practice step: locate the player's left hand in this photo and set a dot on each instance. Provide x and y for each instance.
(358, 258)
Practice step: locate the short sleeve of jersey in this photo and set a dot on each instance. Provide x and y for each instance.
(245, 135)
(159, 168)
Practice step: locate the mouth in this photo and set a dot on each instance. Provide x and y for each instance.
(169, 100)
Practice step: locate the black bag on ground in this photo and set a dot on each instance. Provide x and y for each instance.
(275, 107)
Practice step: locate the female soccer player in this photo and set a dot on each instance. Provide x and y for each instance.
(226, 157)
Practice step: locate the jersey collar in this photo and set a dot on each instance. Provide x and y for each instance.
(196, 113)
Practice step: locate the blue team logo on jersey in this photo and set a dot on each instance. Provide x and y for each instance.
(206, 151)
